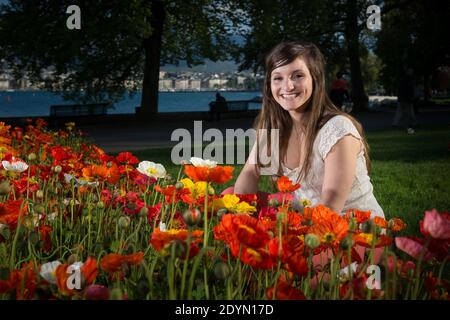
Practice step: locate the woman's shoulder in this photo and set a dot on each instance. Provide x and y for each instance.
(332, 131)
(337, 123)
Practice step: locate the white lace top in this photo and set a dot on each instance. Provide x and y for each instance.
(361, 195)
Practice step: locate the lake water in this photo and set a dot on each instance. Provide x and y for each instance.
(37, 103)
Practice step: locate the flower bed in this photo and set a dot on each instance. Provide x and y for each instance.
(77, 223)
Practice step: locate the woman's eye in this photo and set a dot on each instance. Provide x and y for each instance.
(277, 79)
(298, 76)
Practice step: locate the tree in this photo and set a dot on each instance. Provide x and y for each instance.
(414, 35)
(118, 41)
(336, 27)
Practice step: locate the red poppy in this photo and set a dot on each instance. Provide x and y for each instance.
(245, 230)
(360, 216)
(24, 289)
(292, 253)
(44, 232)
(366, 239)
(161, 239)
(114, 262)
(381, 222)
(396, 224)
(89, 269)
(174, 195)
(284, 291)
(218, 174)
(10, 210)
(285, 185)
(127, 158)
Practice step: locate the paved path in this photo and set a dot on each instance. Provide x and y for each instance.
(132, 135)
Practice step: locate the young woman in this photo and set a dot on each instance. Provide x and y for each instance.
(321, 147)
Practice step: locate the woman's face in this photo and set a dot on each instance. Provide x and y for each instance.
(291, 85)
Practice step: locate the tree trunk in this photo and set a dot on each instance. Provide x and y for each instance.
(359, 96)
(152, 47)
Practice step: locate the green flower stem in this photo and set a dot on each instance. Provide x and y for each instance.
(16, 236)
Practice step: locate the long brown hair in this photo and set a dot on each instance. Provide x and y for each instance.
(318, 111)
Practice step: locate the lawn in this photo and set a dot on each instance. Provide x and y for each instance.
(410, 173)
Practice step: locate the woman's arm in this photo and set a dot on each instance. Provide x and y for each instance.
(340, 168)
(247, 182)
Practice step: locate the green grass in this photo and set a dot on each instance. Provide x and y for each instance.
(410, 173)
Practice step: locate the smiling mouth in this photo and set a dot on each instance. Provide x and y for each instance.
(290, 96)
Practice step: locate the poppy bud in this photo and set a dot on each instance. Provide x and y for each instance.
(5, 232)
(28, 223)
(312, 241)
(40, 194)
(192, 217)
(346, 243)
(179, 185)
(72, 259)
(33, 237)
(273, 203)
(143, 213)
(39, 209)
(57, 169)
(100, 204)
(5, 188)
(367, 226)
(352, 225)
(221, 212)
(222, 270)
(32, 156)
(124, 222)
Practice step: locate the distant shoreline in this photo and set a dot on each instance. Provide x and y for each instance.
(161, 91)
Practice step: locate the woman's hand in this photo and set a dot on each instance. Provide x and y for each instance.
(340, 168)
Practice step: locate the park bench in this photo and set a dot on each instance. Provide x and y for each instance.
(76, 110)
(229, 106)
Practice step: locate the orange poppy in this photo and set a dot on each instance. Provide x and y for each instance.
(246, 230)
(61, 280)
(360, 216)
(114, 262)
(10, 210)
(285, 185)
(381, 222)
(218, 174)
(292, 253)
(366, 240)
(160, 239)
(89, 269)
(396, 224)
(257, 258)
(328, 225)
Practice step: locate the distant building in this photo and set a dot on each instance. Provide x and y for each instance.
(181, 84)
(195, 84)
(165, 84)
(217, 83)
(4, 82)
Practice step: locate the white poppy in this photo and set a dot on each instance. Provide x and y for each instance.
(48, 271)
(199, 162)
(151, 169)
(15, 165)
